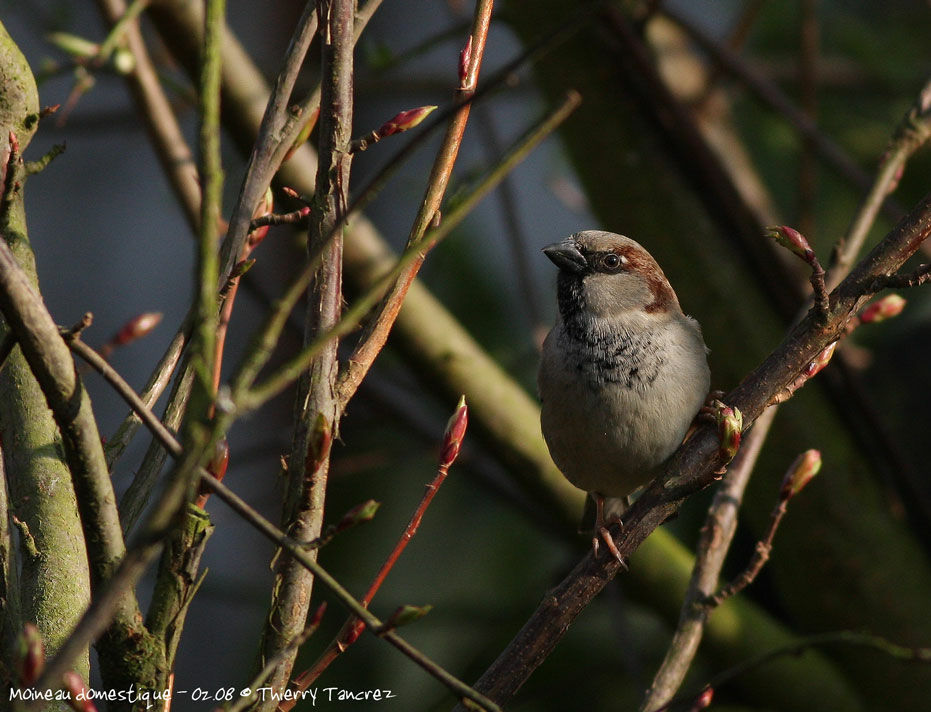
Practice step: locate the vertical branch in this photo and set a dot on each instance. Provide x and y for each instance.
(10, 607)
(268, 149)
(170, 145)
(374, 337)
(316, 408)
(211, 176)
(717, 533)
(54, 580)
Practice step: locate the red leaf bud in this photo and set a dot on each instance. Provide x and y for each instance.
(31, 654)
(455, 432)
(465, 58)
(889, 306)
(792, 240)
(78, 696)
(220, 460)
(136, 328)
(800, 473)
(820, 361)
(404, 120)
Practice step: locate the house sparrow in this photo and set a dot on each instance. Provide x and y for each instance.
(622, 374)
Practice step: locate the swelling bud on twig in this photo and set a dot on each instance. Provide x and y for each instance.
(455, 432)
(220, 460)
(364, 512)
(800, 473)
(703, 701)
(399, 123)
(820, 361)
(405, 615)
(465, 58)
(730, 427)
(136, 328)
(263, 208)
(792, 240)
(30, 658)
(889, 306)
(78, 694)
(795, 242)
(405, 120)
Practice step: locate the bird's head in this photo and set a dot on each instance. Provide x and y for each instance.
(605, 275)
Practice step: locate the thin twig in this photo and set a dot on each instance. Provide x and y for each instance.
(714, 542)
(373, 339)
(204, 331)
(913, 131)
(317, 422)
(353, 626)
(248, 397)
(295, 217)
(266, 154)
(843, 637)
(171, 147)
(773, 97)
(901, 281)
(141, 553)
(158, 381)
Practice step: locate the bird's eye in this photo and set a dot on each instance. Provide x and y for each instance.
(612, 262)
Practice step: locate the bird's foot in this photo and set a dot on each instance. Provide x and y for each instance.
(708, 412)
(603, 535)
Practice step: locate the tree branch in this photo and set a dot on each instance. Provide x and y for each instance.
(53, 367)
(316, 408)
(142, 551)
(373, 339)
(54, 586)
(694, 464)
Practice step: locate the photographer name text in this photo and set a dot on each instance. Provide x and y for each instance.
(152, 698)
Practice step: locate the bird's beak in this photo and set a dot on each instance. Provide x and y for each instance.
(566, 255)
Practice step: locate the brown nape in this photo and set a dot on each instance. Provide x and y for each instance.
(664, 298)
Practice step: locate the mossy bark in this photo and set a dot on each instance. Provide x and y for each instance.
(54, 579)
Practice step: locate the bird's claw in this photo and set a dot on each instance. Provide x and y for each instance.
(603, 535)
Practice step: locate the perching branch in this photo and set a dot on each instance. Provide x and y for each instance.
(720, 524)
(693, 466)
